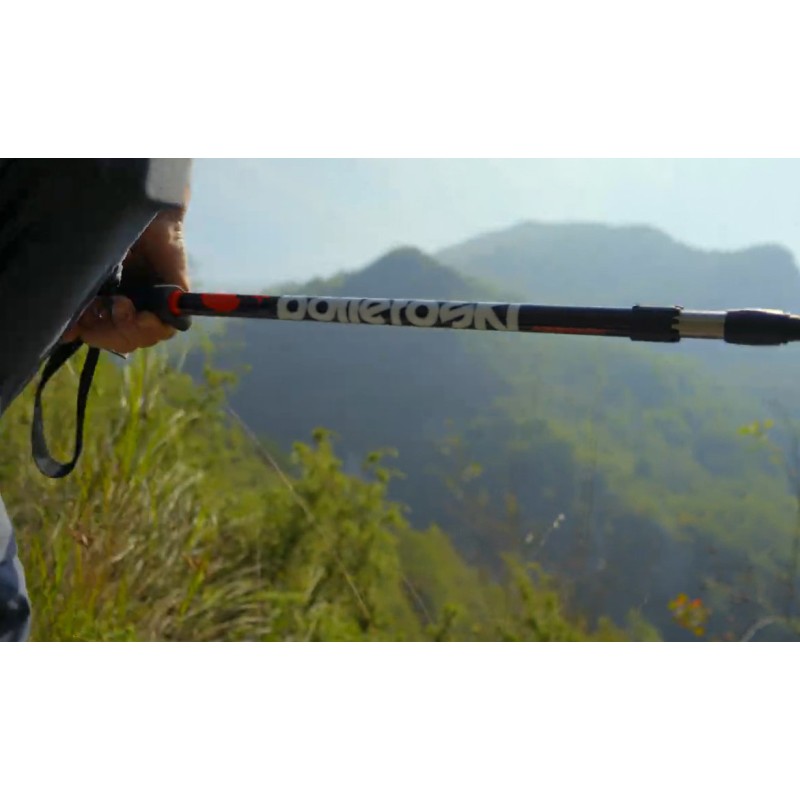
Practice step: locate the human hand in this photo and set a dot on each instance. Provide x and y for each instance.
(158, 256)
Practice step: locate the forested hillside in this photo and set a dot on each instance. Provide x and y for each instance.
(619, 466)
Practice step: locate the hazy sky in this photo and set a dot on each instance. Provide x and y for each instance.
(254, 222)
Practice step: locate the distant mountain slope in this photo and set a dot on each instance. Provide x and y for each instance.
(593, 264)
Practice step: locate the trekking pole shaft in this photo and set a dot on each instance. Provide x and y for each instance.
(640, 323)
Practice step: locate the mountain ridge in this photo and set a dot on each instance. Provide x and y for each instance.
(625, 264)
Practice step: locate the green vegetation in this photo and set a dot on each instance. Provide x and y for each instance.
(179, 526)
(634, 448)
(547, 488)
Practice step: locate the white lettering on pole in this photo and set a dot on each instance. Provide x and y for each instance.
(372, 311)
(485, 314)
(423, 320)
(292, 307)
(321, 309)
(395, 307)
(512, 317)
(416, 313)
(458, 315)
(340, 310)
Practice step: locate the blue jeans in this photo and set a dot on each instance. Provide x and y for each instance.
(15, 609)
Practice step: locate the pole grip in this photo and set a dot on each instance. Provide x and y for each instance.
(161, 301)
(758, 326)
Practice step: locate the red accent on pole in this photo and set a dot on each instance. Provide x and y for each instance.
(223, 303)
(173, 302)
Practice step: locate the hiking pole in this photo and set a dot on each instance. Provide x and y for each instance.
(639, 323)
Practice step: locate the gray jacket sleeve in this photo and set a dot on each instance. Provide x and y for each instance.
(15, 609)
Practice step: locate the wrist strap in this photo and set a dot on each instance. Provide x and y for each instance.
(44, 460)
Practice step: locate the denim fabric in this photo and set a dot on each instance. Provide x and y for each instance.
(15, 609)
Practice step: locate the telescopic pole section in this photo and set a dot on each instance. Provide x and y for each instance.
(640, 323)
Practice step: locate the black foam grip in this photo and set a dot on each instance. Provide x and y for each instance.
(761, 327)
